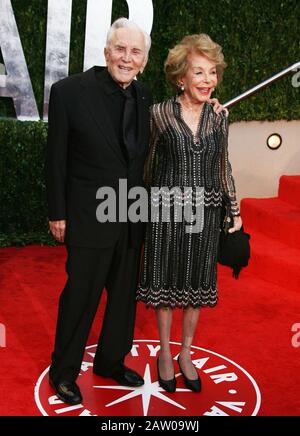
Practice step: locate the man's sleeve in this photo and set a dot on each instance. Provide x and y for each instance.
(56, 157)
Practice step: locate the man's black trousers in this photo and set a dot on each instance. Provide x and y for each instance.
(89, 271)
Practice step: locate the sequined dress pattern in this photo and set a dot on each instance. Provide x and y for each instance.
(178, 267)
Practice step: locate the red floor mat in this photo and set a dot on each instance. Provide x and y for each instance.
(250, 327)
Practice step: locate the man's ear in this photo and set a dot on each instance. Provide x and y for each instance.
(144, 65)
(106, 53)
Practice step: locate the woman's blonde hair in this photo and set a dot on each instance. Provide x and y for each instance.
(176, 64)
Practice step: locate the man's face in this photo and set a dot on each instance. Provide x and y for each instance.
(126, 55)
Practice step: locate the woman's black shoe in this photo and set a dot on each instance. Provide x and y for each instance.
(194, 385)
(167, 385)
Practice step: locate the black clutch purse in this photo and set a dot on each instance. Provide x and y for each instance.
(234, 248)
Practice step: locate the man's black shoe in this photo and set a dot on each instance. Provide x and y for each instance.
(126, 377)
(67, 391)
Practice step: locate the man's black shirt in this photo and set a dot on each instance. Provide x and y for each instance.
(115, 102)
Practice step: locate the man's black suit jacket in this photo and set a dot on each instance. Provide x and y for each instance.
(83, 154)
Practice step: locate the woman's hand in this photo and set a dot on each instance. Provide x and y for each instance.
(237, 224)
(217, 106)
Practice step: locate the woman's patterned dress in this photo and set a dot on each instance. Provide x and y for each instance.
(180, 256)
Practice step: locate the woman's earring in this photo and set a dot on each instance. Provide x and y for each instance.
(181, 85)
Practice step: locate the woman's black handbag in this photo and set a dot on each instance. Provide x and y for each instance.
(234, 248)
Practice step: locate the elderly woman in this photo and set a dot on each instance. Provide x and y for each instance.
(188, 149)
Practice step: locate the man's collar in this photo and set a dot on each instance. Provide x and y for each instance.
(109, 84)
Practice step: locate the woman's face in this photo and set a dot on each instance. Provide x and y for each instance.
(200, 78)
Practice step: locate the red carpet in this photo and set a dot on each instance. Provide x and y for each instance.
(274, 224)
(251, 325)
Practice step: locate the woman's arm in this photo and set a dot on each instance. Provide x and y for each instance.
(227, 180)
(150, 160)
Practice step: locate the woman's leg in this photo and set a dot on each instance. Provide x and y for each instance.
(189, 324)
(164, 321)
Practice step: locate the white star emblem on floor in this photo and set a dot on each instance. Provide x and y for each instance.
(146, 391)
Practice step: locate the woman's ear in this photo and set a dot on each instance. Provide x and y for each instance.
(180, 85)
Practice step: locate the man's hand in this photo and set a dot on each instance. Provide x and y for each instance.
(58, 229)
(217, 106)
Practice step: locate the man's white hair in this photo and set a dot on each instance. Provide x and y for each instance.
(124, 22)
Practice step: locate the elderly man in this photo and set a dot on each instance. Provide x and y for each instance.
(98, 134)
